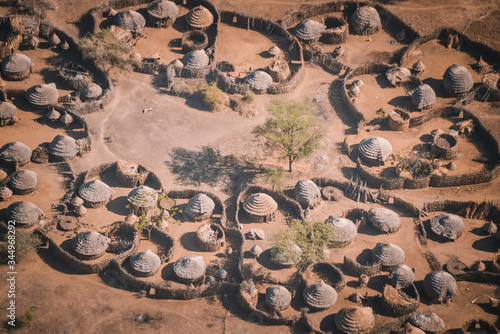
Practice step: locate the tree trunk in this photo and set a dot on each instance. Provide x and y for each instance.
(290, 164)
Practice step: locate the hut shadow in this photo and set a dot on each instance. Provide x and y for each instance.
(426, 138)
(327, 324)
(488, 244)
(110, 179)
(368, 229)
(265, 260)
(188, 242)
(403, 102)
(377, 283)
(265, 54)
(349, 172)
(167, 272)
(437, 86)
(365, 257)
(118, 206)
(382, 81)
(389, 172)
(54, 262)
(106, 23)
(353, 284)
(180, 24)
(479, 232)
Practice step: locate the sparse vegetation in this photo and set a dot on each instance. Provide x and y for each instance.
(105, 51)
(26, 243)
(275, 177)
(213, 97)
(381, 112)
(249, 97)
(28, 317)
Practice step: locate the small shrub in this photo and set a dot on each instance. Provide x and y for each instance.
(249, 98)
(26, 243)
(213, 98)
(28, 317)
(380, 112)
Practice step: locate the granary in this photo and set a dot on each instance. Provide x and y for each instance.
(365, 21)
(344, 231)
(457, 80)
(189, 269)
(15, 153)
(479, 326)
(195, 59)
(429, 322)
(418, 68)
(259, 81)
(162, 13)
(255, 251)
(54, 40)
(42, 95)
(398, 119)
(130, 173)
(447, 226)
(397, 75)
(66, 119)
(53, 115)
(260, 207)
(199, 18)
(278, 69)
(440, 286)
(320, 296)
(355, 320)
(307, 193)
(5, 194)
(200, 207)
(62, 147)
(24, 213)
(388, 254)
(287, 256)
(64, 46)
(444, 146)
(16, 66)
(274, 51)
(130, 20)
(401, 276)
(384, 220)
(375, 150)
(23, 182)
(142, 199)
(90, 92)
(7, 113)
(278, 297)
(423, 96)
(90, 245)
(309, 31)
(210, 237)
(145, 263)
(95, 193)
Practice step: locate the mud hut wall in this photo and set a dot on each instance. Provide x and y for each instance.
(238, 236)
(325, 182)
(478, 277)
(98, 170)
(154, 181)
(415, 210)
(353, 268)
(297, 16)
(168, 243)
(434, 113)
(66, 170)
(492, 208)
(329, 62)
(379, 181)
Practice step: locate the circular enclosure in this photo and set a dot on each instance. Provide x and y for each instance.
(445, 146)
(194, 40)
(210, 237)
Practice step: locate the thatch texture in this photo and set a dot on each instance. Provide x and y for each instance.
(355, 320)
(145, 263)
(7, 113)
(42, 95)
(274, 51)
(447, 226)
(90, 92)
(365, 21)
(440, 286)
(375, 150)
(309, 30)
(259, 81)
(5, 194)
(344, 230)
(384, 220)
(260, 205)
(457, 80)
(199, 18)
(200, 207)
(398, 119)
(16, 66)
(444, 146)
(495, 263)
(189, 268)
(287, 256)
(162, 13)
(90, 244)
(255, 251)
(95, 193)
(278, 297)
(401, 276)
(63, 147)
(24, 213)
(397, 75)
(399, 302)
(194, 40)
(66, 119)
(15, 153)
(195, 59)
(418, 68)
(210, 237)
(429, 322)
(75, 76)
(307, 193)
(142, 198)
(23, 182)
(320, 296)
(53, 115)
(129, 20)
(279, 69)
(423, 96)
(130, 173)
(388, 254)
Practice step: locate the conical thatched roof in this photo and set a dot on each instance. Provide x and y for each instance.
(24, 213)
(256, 250)
(189, 267)
(90, 244)
(91, 91)
(376, 149)
(355, 320)
(286, 256)
(23, 181)
(344, 229)
(309, 30)
(163, 9)
(440, 285)
(66, 119)
(129, 20)
(258, 80)
(16, 63)
(401, 276)
(423, 96)
(195, 59)
(143, 197)
(427, 321)
(388, 254)
(490, 228)
(15, 152)
(199, 18)
(7, 110)
(200, 205)
(320, 295)
(418, 67)
(384, 219)
(307, 193)
(95, 191)
(397, 75)
(260, 204)
(365, 21)
(447, 225)
(177, 63)
(278, 297)
(274, 50)
(42, 95)
(63, 147)
(53, 115)
(6, 193)
(54, 39)
(145, 263)
(457, 80)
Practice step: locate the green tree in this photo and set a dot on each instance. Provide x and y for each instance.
(292, 129)
(275, 177)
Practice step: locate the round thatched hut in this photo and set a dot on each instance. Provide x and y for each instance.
(142, 199)
(62, 147)
(43, 96)
(129, 20)
(274, 51)
(384, 220)
(490, 228)
(23, 182)
(423, 96)
(307, 193)
(401, 276)
(398, 119)
(162, 13)
(189, 268)
(54, 40)
(210, 237)
(397, 75)
(429, 322)
(355, 320)
(309, 31)
(365, 21)
(53, 115)
(278, 297)
(7, 113)
(95, 193)
(259, 81)
(145, 263)
(90, 92)
(457, 80)
(255, 251)
(200, 207)
(375, 150)
(344, 230)
(199, 18)
(260, 207)
(66, 119)
(16, 66)
(447, 226)
(194, 40)
(336, 31)
(278, 69)
(130, 173)
(24, 213)
(5, 194)
(286, 256)
(444, 146)
(90, 245)
(440, 285)
(388, 254)
(320, 296)
(15, 153)
(195, 59)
